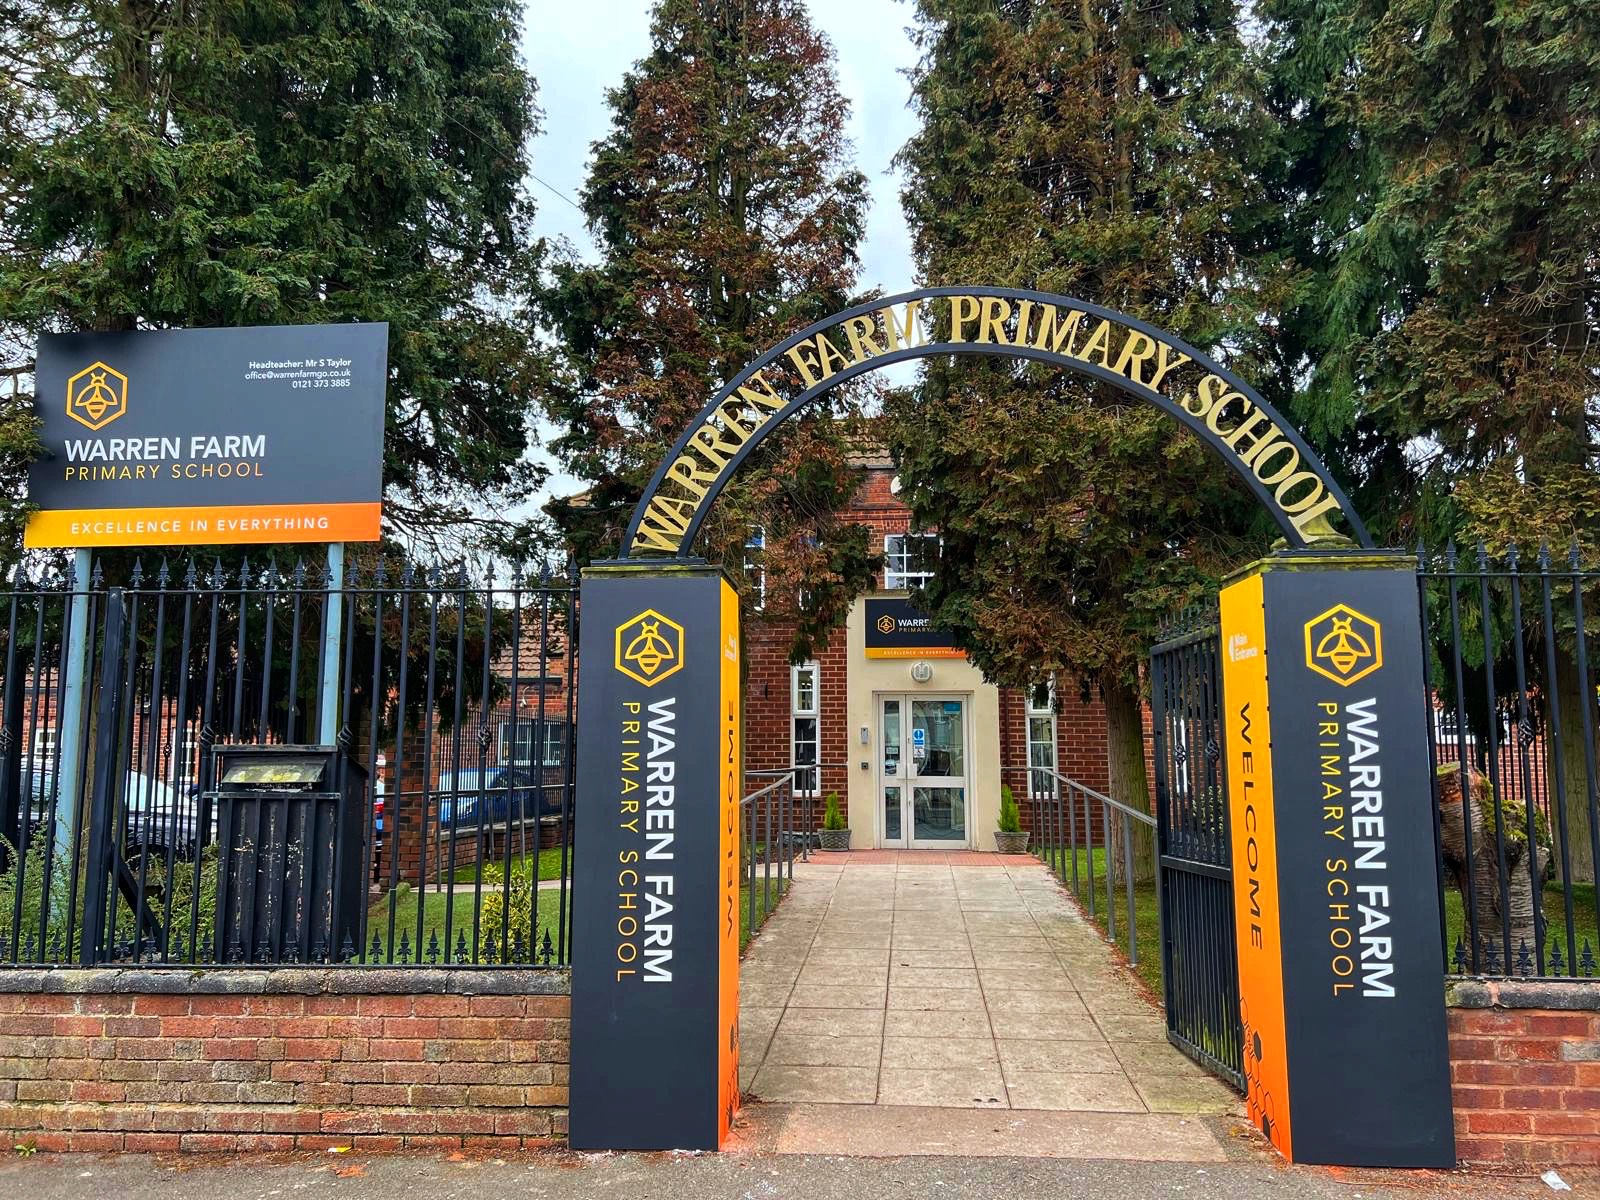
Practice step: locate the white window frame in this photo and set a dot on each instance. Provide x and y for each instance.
(896, 549)
(755, 569)
(555, 733)
(800, 710)
(1037, 717)
(42, 749)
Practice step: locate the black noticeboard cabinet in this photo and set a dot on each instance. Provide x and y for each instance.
(291, 828)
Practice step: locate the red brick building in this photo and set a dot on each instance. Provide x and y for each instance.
(904, 730)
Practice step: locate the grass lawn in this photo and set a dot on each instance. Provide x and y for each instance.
(549, 865)
(779, 887)
(1147, 920)
(1555, 915)
(407, 900)
(1586, 930)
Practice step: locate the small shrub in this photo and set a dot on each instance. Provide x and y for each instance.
(520, 893)
(833, 815)
(1010, 814)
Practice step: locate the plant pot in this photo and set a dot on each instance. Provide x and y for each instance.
(1011, 843)
(834, 839)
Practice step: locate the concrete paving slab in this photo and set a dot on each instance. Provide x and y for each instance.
(1023, 1055)
(892, 1131)
(828, 1085)
(1090, 1091)
(935, 999)
(913, 986)
(959, 1087)
(929, 1053)
(833, 1022)
(835, 995)
(796, 1049)
(1054, 1000)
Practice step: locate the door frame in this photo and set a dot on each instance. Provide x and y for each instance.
(906, 781)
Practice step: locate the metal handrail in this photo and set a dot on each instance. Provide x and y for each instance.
(1056, 841)
(767, 806)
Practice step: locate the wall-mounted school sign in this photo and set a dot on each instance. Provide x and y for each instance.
(655, 973)
(898, 629)
(1263, 449)
(1334, 861)
(210, 436)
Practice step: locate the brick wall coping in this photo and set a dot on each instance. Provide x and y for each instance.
(308, 981)
(1566, 995)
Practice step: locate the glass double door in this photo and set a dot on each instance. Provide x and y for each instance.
(922, 771)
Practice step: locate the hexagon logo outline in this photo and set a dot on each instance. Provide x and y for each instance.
(649, 647)
(100, 399)
(1343, 644)
(886, 624)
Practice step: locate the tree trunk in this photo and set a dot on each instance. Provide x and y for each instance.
(1573, 769)
(1129, 781)
(1480, 879)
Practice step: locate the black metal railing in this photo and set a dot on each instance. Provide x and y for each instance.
(450, 699)
(772, 842)
(1092, 844)
(1513, 740)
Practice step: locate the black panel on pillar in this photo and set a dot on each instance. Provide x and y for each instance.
(655, 957)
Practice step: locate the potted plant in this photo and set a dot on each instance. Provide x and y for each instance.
(835, 832)
(1010, 837)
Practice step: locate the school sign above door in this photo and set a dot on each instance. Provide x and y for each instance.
(210, 436)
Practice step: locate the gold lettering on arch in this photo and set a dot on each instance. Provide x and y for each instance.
(1250, 436)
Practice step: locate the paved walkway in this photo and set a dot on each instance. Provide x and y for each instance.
(963, 982)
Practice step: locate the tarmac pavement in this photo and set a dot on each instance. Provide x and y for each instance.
(563, 1175)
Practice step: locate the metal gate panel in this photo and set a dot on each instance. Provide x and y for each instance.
(1200, 969)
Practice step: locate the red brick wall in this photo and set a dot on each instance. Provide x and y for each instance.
(198, 1065)
(1525, 1073)
(767, 713)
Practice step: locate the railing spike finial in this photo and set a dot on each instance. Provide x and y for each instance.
(137, 578)
(1483, 556)
(1450, 555)
(1513, 556)
(1544, 554)
(1573, 556)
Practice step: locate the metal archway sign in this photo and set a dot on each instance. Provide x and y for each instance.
(1147, 363)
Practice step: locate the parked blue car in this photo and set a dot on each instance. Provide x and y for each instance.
(503, 793)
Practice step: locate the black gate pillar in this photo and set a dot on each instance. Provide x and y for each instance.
(655, 969)
(1335, 866)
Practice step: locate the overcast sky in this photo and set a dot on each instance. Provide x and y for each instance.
(579, 48)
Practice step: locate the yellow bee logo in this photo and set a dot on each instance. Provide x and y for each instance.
(1343, 645)
(886, 624)
(649, 647)
(97, 396)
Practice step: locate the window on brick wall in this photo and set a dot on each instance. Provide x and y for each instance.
(908, 559)
(755, 570)
(44, 747)
(1042, 738)
(519, 751)
(805, 706)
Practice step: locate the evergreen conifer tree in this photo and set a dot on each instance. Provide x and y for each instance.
(1110, 151)
(727, 217)
(177, 164)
